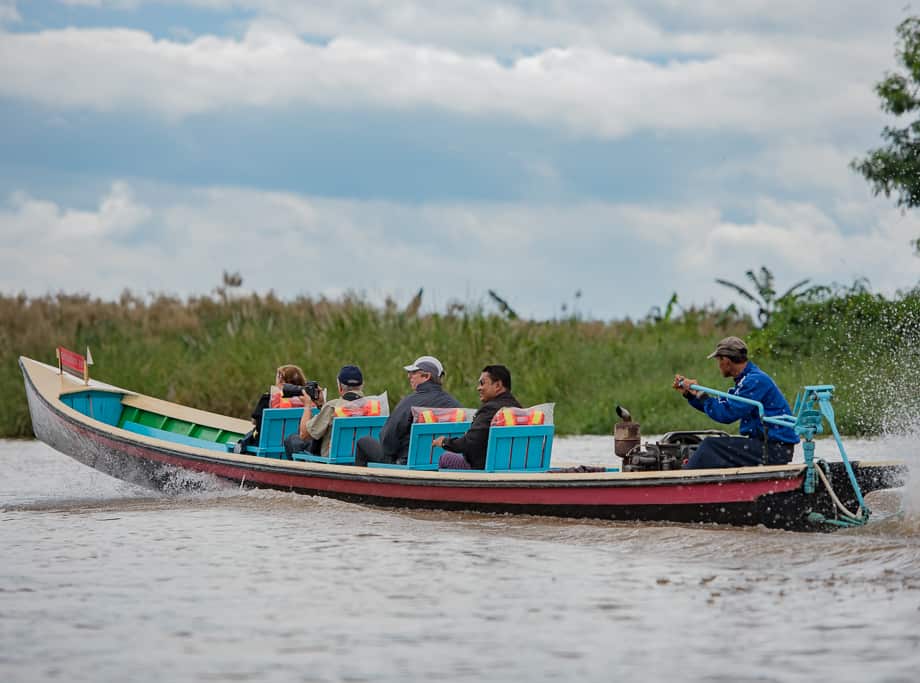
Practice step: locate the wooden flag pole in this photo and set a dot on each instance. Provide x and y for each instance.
(89, 361)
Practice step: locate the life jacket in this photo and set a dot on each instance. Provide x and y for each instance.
(360, 408)
(514, 417)
(432, 415)
(279, 401)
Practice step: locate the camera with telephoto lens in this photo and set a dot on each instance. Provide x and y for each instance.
(311, 387)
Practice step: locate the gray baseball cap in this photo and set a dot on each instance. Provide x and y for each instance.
(428, 364)
(731, 347)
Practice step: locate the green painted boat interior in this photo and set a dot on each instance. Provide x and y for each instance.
(108, 408)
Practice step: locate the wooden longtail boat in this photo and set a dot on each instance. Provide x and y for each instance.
(86, 420)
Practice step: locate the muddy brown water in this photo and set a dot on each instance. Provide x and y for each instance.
(104, 581)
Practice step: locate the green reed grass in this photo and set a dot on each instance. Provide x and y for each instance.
(220, 353)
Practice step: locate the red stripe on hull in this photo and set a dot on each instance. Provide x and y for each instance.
(612, 494)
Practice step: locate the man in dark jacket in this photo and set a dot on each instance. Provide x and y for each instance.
(425, 376)
(469, 451)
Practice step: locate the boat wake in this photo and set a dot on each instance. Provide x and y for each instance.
(173, 480)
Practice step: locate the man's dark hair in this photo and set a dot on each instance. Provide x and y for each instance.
(499, 373)
(740, 358)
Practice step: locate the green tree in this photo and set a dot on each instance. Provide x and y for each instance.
(765, 298)
(895, 168)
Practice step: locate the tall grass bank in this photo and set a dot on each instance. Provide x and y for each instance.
(219, 353)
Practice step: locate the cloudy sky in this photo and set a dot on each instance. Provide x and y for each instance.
(626, 149)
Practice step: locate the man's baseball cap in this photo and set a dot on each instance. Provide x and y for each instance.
(732, 347)
(428, 364)
(350, 376)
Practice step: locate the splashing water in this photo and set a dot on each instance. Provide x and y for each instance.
(175, 481)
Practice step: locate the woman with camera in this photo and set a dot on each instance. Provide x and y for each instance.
(290, 375)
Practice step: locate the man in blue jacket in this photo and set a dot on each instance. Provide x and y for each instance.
(750, 382)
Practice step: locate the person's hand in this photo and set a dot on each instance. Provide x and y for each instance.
(307, 400)
(682, 384)
(439, 442)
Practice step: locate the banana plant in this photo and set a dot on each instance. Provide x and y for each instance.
(764, 296)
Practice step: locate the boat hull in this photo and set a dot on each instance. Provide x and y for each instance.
(771, 496)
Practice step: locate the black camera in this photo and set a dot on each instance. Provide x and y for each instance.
(311, 387)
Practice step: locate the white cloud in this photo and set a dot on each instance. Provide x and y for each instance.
(505, 27)
(51, 248)
(626, 258)
(768, 85)
(796, 78)
(805, 241)
(8, 12)
(802, 166)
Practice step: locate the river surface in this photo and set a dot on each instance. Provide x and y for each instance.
(103, 581)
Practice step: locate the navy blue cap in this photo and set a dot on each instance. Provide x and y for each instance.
(350, 376)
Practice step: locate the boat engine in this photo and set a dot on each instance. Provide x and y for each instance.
(648, 457)
(670, 453)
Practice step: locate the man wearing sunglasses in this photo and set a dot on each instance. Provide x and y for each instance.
(469, 451)
(425, 377)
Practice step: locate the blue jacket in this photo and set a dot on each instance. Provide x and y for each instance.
(755, 384)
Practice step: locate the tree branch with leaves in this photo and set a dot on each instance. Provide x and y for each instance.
(895, 168)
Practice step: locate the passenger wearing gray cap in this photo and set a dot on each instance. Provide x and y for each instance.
(425, 376)
(757, 438)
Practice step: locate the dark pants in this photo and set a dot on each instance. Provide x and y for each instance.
(368, 449)
(738, 451)
(294, 444)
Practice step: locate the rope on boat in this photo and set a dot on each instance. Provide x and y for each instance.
(854, 519)
(812, 408)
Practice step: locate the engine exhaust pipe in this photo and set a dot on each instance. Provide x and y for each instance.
(626, 433)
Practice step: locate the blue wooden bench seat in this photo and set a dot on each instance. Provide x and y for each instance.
(277, 424)
(345, 434)
(423, 455)
(526, 448)
(146, 430)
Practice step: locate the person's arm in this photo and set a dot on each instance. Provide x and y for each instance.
(727, 411)
(476, 439)
(261, 405)
(694, 398)
(314, 426)
(398, 423)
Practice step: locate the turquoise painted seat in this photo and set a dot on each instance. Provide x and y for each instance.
(424, 455)
(99, 405)
(277, 425)
(519, 449)
(345, 434)
(147, 430)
